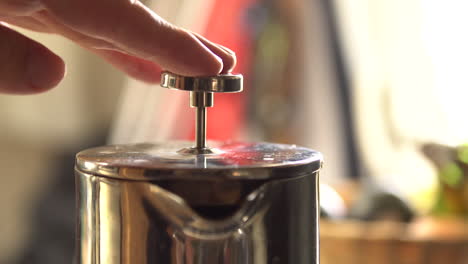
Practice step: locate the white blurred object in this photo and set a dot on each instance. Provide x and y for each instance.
(407, 62)
(319, 122)
(445, 40)
(331, 202)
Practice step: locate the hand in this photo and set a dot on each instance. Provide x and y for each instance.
(123, 32)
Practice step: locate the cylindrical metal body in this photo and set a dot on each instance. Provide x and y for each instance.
(149, 204)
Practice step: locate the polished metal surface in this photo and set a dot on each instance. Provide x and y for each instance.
(231, 160)
(201, 96)
(223, 83)
(249, 203)
(200, 99)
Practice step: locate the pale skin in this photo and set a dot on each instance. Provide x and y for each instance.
(123, 32)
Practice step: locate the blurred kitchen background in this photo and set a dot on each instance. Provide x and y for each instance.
(378, 86)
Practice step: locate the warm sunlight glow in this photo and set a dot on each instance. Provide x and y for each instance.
(446, 40)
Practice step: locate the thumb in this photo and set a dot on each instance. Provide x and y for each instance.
(26, 66)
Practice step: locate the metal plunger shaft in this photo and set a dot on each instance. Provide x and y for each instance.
(200, 126)
(201, 100)
(201, 96)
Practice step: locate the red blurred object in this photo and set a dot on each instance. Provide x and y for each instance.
(227, 27)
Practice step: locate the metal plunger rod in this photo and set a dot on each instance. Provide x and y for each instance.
(201, 100)
(202, 91)
(200, 128)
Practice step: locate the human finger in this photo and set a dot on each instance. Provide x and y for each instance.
(137, 30)
(137, 68)
(228, 56)
(27, 66)
(57, 27)
(19, 7)
(27, 22)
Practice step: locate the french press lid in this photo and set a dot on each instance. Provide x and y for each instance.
(231, 160)
(182, 160)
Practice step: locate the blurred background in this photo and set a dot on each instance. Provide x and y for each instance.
(378, 86)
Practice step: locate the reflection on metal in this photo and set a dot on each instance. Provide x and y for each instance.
(223, 83)
(149, 204)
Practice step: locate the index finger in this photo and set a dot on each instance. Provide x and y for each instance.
(136, 29)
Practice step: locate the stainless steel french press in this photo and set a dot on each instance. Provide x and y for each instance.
(215, 203)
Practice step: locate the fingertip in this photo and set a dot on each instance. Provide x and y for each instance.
(228, 64)
(44, 69)
(229, 61)
(193, 58)
(227, 57)
(27, 67)
(214, 67)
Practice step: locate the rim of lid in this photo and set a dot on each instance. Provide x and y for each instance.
(232, 160)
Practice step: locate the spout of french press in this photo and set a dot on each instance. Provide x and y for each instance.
(202, 91)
